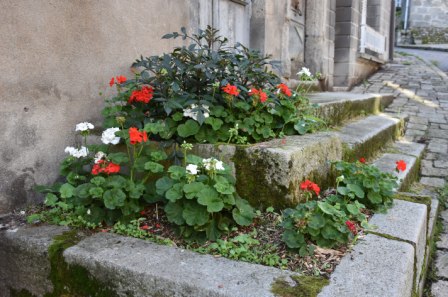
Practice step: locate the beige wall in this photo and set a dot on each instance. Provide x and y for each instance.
(56, 56)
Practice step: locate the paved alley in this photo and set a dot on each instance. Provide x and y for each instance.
(421, 91)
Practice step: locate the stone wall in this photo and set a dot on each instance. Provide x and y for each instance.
(55, 59)
(428, 13)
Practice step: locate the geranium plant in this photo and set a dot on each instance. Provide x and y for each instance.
(202, 198)
(198, 93)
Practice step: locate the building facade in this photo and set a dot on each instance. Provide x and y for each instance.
(56, 58)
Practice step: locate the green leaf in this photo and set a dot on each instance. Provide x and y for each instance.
(210, 198)
(163, 184)
(293, 239)
(224, 188)
(195, 214)
(118, 158)
(176, 172)
(374, 197)
(98, 180)
(114, 198)
(50, 199)
(154, 167)
(136, 190)
(158, 156)
(192, 189)
(66, 190)
(173, 212)
(178, 116)
(353, 209)
(317, 221)
(212, 230)
(359, 192)
(214, 122)
(190, 128)
(301, 127)
(343, 191)
(329, 232)
(82, 191)
(96, 192)
(116, 181)
(326, 208)
(175, 193)
(243, 214)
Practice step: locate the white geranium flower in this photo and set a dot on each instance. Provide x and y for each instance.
(188, 112)
(77, 153)
(213, 164)
(219, 165)
(192, 169)
(99, 156)
(304, 73)
(108, 136)
(84, 126)
(89, 212)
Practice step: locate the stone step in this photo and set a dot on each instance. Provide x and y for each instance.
(391, 259)
(411, 153)
(337, 108)
(123, 266)
(365, 137)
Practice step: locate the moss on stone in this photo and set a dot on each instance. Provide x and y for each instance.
(426, 200)
(305, 286)
(72, 280)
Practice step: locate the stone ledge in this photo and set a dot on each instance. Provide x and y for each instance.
(24, 259)
(408, 222)
(377, 266)
(148, 269)
(339, 107)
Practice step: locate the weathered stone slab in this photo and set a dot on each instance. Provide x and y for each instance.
(442, 263)
(377, 266)
(147, 269)
(439, 289)
(409, 148)
(24, 259)
(366, 136)
(443, 241)
(433, 182)
(269, 173)
(339, 107)
(405, 221)
(387, 163)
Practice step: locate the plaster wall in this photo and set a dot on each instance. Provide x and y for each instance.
(55, 59)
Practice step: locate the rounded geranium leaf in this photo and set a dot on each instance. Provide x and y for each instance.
(154, 167)
(175, 193)
(209, 197)
(192, 189)
(190, 128)
(51, 199)
(66, 190)
(118, 158)
(163, 184)
(114, 198)
(173, 212)
(293, 239)
(195, 214)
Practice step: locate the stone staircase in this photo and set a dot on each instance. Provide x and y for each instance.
(389, 260)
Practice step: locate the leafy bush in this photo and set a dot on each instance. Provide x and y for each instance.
(202, 197)
(367, 184)
(198, 93)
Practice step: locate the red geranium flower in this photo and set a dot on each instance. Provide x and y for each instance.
(351, 226)
(135, 136)
(262, 96)
(309, 186)
(112, 82)
(401, 165)
(144, 95)
(144, 227)
(284, 89)
(104, 166)
(231, 90)
(362, 160)
(121, 79)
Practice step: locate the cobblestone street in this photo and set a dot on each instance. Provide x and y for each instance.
(421, 91)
